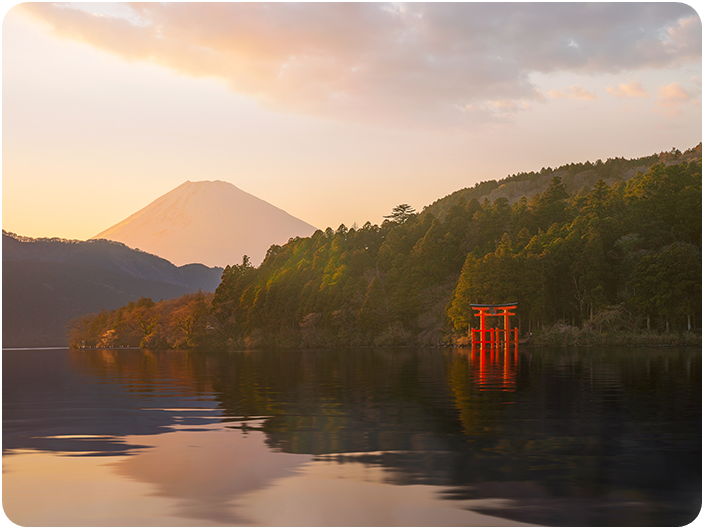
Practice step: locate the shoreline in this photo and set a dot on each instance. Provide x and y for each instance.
(695, 342)
(582, 338)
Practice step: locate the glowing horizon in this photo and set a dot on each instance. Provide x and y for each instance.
(334, 113)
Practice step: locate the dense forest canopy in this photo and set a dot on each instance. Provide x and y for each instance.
(626, 256)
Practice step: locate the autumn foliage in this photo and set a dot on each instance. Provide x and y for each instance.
(179, 323)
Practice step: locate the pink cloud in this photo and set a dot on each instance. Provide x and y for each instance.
(577, 92)
(671, 99)
(685, 38)
(418, 63)
(631, 90)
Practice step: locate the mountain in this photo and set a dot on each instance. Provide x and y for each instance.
(575, 176)
(48, 282)
(110, 256)
(207, 222)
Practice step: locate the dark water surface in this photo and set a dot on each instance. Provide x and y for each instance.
(352, 437)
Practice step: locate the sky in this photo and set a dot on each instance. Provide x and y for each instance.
(333, 112)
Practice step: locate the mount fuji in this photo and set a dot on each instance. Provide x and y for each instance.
(208, 222)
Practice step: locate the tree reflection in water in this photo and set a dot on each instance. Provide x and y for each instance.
(564, 437)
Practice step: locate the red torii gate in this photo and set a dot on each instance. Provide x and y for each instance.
(496, 310)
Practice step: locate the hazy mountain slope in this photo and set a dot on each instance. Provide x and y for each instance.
(111, 256)
(214, 223)
(39, 298)
(574, 176)
(47, 282)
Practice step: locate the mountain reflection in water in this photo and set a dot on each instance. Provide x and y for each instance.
(353, 437)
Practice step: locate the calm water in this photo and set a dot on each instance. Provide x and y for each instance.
(352, 437)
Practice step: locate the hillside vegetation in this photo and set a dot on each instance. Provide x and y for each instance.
(575, 176)
(622, 258)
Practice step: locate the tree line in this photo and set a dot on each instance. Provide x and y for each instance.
(575, 176)
(625, 256)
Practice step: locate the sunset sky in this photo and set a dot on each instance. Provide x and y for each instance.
(335, 113)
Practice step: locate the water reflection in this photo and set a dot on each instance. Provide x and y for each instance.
(205, 472)
(566, 437)
(495, 369)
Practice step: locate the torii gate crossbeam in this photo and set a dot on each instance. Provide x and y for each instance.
(494, 310)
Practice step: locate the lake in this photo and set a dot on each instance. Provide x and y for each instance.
(358, 437)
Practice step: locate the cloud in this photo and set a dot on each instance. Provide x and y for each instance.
(632, 90)
(556, 95)
(387, 63)
(577, 92)
(684, 39)
(671, 99)
(495, 111)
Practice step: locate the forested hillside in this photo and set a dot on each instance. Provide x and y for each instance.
(625, 256)
(575, 176)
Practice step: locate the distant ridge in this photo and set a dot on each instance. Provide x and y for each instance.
(209, 222)
(111, 256)
(47, 282)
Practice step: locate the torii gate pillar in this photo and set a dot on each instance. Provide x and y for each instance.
(494, 310)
